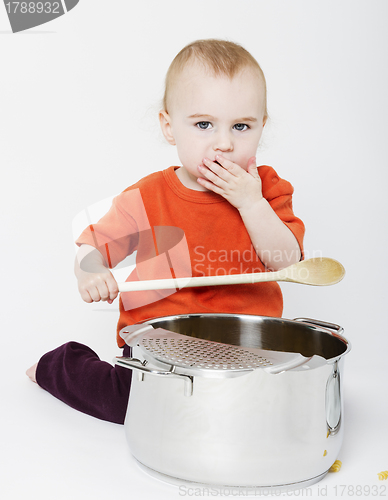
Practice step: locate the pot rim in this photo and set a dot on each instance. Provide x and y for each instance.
(330, 329)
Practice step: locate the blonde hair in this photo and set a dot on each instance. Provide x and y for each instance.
(221, 57)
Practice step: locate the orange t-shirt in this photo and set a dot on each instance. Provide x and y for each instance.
(179, 232)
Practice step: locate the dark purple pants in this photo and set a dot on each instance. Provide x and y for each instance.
(75, 374)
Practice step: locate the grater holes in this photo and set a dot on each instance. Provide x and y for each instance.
(202, 354)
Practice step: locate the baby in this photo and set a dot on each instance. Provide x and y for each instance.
(218, 213)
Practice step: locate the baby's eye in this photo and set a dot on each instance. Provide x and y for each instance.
(203, 125)
(241, 127)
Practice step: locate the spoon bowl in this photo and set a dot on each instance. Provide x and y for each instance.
(319, 271)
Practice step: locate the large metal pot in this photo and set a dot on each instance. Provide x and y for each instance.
(276, 424)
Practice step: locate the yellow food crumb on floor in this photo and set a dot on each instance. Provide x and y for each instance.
(336, 466)
(383, 475)
(325, 453)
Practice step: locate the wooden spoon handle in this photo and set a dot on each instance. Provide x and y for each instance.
(177, 283)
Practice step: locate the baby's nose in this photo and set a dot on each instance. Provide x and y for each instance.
(223, 142)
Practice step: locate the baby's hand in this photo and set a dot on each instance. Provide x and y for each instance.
(97, 286)
(95, 281)
(241, 188)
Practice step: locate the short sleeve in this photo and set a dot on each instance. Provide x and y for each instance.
(116, 234)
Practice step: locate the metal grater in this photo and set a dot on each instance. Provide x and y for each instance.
(191, 355)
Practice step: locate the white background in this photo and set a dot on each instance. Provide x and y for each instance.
(78, 122)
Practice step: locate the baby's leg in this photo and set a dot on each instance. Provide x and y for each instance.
(75, 374)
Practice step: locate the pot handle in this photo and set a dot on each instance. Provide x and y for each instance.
(323, 324)
(333, 401)
(136, 364)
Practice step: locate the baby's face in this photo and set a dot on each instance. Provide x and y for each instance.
(211, 115)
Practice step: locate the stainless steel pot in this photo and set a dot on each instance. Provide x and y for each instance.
(269, 414)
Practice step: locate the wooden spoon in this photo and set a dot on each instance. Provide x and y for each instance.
(316, 271)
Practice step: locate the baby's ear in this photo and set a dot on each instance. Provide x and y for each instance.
(165, 124)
